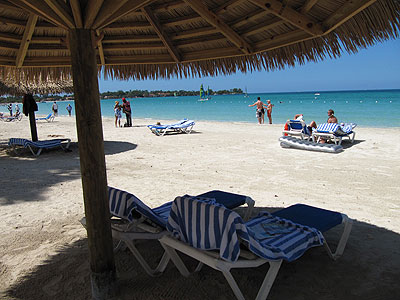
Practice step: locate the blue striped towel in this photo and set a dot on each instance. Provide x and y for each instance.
(213, 227)
(336, 129)
(124, 205)
(127, 206)
(39, 144)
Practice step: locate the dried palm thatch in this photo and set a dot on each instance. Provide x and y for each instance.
(11, 87)
(142, 39)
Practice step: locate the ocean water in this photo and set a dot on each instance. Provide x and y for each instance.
(380, 108)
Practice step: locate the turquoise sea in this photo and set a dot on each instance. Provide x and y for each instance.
(375, 108)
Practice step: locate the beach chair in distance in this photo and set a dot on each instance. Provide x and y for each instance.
(50, 118)
(37, 147)
(217, 236)
(335, 132)
(183, 126)
(132, 220)
(17, 117)
(297, 128)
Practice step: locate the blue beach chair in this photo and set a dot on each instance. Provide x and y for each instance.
(335, 132)
(213, 235)
(50, 118)
(297, 128)
(39, 145)
(183, 126)
(133, 220)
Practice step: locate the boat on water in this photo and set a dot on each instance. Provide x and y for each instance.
(245, 93)
(204, 96)
(317, 94)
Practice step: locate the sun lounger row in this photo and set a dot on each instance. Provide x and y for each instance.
(207, 228)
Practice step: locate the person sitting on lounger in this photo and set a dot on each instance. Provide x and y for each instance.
(312, 125)
(331, 117)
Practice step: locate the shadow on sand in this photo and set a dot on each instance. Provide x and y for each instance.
(369, 269)
(37, 174)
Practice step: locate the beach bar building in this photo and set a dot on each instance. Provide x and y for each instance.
(140, 39)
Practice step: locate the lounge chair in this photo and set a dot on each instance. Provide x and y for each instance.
(39, 145)
(17, 117)
(217, 236)
(50, 118)
(133, 220)
(297, 128)
(335, 132)
(183, 126)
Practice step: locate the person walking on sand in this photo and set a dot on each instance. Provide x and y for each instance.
(69, 109)
(127, 110)
(54, 108)
(16, 110)
(9, 107)
(117, 113)
(269, 111)
(260, 107)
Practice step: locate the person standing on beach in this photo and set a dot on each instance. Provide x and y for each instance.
(16, 110)
(9, 107)
(127, 110)
(118, 114)
(260, 107)
(55, 109)
(69, 109)
(269, 111)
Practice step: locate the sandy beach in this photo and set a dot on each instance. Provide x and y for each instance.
(43, 247)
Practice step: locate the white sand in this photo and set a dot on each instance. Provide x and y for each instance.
(43, 251)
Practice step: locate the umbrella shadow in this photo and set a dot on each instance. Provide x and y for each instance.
(368, 269)
(37, 174)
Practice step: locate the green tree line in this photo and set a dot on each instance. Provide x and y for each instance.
(127, 94)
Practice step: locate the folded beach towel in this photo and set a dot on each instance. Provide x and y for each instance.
(207, 226)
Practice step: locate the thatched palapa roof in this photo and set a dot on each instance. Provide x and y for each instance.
(156, 39)
(11, 87)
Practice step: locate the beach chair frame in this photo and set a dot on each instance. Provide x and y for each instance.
(294, 131)
(211, 259)
(39, 145)
(130, 232)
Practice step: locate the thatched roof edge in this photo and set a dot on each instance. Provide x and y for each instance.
(377, 23)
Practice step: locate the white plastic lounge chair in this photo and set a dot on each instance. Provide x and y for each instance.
(49, 118)
(335, 132)
(297, 128)
(213, 234)
(39, 145)
(133, 220)
(183, 126)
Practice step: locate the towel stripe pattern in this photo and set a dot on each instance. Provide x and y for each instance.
(127, 206)
(39, 144)
(210, 226)
(336, 129)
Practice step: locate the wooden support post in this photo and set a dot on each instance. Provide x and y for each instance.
(32, 122)
(92, 161)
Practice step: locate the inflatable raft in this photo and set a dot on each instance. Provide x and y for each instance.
(292, 142)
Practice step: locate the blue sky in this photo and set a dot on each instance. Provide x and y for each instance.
(377, 67)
